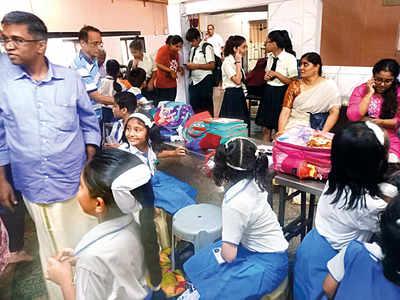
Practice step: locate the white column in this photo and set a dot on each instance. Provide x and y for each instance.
(178, 23)
(302, 19)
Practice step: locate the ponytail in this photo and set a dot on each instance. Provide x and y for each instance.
(240, 159)
(261, 171)
(288, 43)
(117, 87)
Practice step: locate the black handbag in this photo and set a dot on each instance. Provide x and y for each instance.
(317, 121)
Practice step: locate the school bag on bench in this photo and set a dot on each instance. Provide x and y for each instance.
(303, 152)
(170, 116)
(208, 133)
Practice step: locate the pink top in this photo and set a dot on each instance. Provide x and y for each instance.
(374, 111)
(4, 252)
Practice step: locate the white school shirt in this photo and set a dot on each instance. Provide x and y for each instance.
(136, 91)
(336, 264)
(148, 64)
(286, 65)
(110, 262)
(117, 130)
(107, 88)
(198, 75)
(248, 219)
(340, 226)
(228, 71)
(217, 42)
(150, 160)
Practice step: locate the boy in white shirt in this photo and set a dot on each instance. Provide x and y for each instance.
(137, 79)
(200, 65)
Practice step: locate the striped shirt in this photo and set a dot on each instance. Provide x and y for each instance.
(89, 71)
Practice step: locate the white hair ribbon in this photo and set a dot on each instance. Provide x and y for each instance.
(142, 117)
(239, 138)
(379, 133)
(127, 181)
(389, 190)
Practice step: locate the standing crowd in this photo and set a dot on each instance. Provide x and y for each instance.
(93, 194)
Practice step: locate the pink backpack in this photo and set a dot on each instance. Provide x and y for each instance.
(303, 152)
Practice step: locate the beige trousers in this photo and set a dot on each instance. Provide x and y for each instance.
(58, 225)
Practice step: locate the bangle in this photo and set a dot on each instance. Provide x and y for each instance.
(237, 62)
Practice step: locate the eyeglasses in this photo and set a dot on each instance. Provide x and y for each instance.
(381, 80)
(17, 41)
(96, 44)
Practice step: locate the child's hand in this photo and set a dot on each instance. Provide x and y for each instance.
(180, 151)
(66, 254)
(181, 71)
(58, 272)
(109, 145)
(172, 73)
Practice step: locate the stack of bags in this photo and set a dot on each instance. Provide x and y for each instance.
(204, 132)
(171, 117)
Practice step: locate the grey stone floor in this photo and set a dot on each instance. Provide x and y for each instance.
(24, 281)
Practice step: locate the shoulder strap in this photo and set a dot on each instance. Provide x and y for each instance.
(203, 49)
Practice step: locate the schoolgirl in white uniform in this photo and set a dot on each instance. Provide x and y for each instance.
(142, 138)
(253, 249)
(234, 102)
(349, 207)
(280, 70)
(109, 258)
(364, 271)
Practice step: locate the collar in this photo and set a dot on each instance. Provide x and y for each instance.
(84, 56)
(283, 53)
(375, 251)
(52, 72)
(102, 230)
(135, 90)
(236, 189)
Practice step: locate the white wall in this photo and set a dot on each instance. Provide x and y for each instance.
(302, 19)
(347, 78)
(207, 6)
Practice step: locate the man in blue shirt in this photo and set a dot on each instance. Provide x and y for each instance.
(87, 66)
(48, 130)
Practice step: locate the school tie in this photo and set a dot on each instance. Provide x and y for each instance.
(244, 77)
(117, 132)
(191, 59)
(273, 67)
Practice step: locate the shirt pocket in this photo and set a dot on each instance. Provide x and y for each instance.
(64, 117)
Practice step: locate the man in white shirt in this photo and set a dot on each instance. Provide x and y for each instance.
(218, 44)
(201, 63)
(214, 39)
(147, 63)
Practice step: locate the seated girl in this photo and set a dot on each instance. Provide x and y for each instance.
(369, 271)
(311, 101)
(110, 258)
(142, 138)
(378, 100)
(349, 206)
(254, 260)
